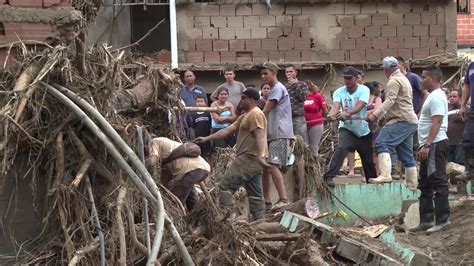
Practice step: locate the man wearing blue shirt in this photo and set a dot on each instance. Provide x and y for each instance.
(191, 90)
(350, 108)
(468, 115)
(433, 140)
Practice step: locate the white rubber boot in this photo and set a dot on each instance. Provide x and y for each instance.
(385, 165)
(411, 178)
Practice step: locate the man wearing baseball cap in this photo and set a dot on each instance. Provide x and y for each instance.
(401, 124)
(251, 152)
(350, 107)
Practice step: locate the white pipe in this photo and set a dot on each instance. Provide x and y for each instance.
(174, 35)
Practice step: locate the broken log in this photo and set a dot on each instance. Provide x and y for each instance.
(307, 207)
(278, 237)
(215, 109)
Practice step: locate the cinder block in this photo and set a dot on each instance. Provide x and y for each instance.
(347, 44)
(389, 52)
(195, 57)
(388, 31)
(420, 53)
(237, 45)
(36, 31)
(420, 30)
(437, 30)
(440, 18)
(26, 3)
(363, 43)
(420, 7)
(396, 43)
(219, 22)
(243, 57)
(292, 32)
(203, 45)
(260, 56)
(363, 20)
(335, 31)
(244, 10)
(412, 42)
(428, 42)
(285, 44)
(284, 21)
(227, 57)
(368, 8)
(309, 56)
(334, 44)
(276, 56)
(337, 55)
(48, 3)
(384, 7)
(235, 22)
(428, 18)
(202, 22)
(357, 55)
(412, 19)
(11, 29)
(379, 43)
(355, 32)
(258, 33)
(194, 33)
(259, 9)
(253, 45)
(301, 21)
(191, 46)
(306, 33)
(274, 32)
(267, 21)
(379, 19)
(336, 8)
(402, 7)
(210, 57)
(164, 56)
(293, 9)
(405, 53)
(251, 21)
(227, 10)
(227, 34)
(292, 56)
(345, 21)
(372, 31)
(302, 44)
(351, 8)
(270, 45)
(277, 9)
(404, 31)
(373, 55)
(210, 33)
(441, 42)
(395, 19)
(220, 45)
(210, 10)
(242, 33)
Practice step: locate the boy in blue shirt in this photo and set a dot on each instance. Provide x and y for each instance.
(350, 108)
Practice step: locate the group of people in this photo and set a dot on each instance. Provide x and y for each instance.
(262, 127)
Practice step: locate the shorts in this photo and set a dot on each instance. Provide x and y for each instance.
(279, 151)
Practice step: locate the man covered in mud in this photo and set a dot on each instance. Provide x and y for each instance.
(251, 152)
(433, 141)
(182, 167)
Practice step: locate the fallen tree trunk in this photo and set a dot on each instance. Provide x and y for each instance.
(307, 207)
(278, 237)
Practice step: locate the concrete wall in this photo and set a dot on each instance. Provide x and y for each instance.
(111, 26)
(465, 28)
(295, 32)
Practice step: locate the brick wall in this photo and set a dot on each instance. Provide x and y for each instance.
(465, 28)
(26, 20)
(358, 32)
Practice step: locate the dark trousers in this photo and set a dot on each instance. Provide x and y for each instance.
(350, 142)
(468, 136)
(184, 189)
(456, 154)
(437, 183)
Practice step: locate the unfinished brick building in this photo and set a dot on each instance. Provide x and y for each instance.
(465, 23)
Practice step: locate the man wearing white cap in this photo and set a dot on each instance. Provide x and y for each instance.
(401, 124)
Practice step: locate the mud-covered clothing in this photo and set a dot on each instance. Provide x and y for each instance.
(201, 123)
(247, 123)
(298, 92)
(398, 105)
(162, 148)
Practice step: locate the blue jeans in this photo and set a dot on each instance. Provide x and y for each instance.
(456, 154)
(397, 137)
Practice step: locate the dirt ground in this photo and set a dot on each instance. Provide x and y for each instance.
(453, 246)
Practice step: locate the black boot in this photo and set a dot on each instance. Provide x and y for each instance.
(469, 164)
(426, 215)
(441, 213)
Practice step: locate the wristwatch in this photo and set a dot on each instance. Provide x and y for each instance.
(427, 146)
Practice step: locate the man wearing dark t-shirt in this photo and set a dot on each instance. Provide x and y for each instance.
(455, 128)
(418, 92)
(468, 115)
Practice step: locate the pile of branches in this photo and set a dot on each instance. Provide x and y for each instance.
(96, 187)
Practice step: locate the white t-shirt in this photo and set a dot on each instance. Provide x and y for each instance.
(435, 104)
